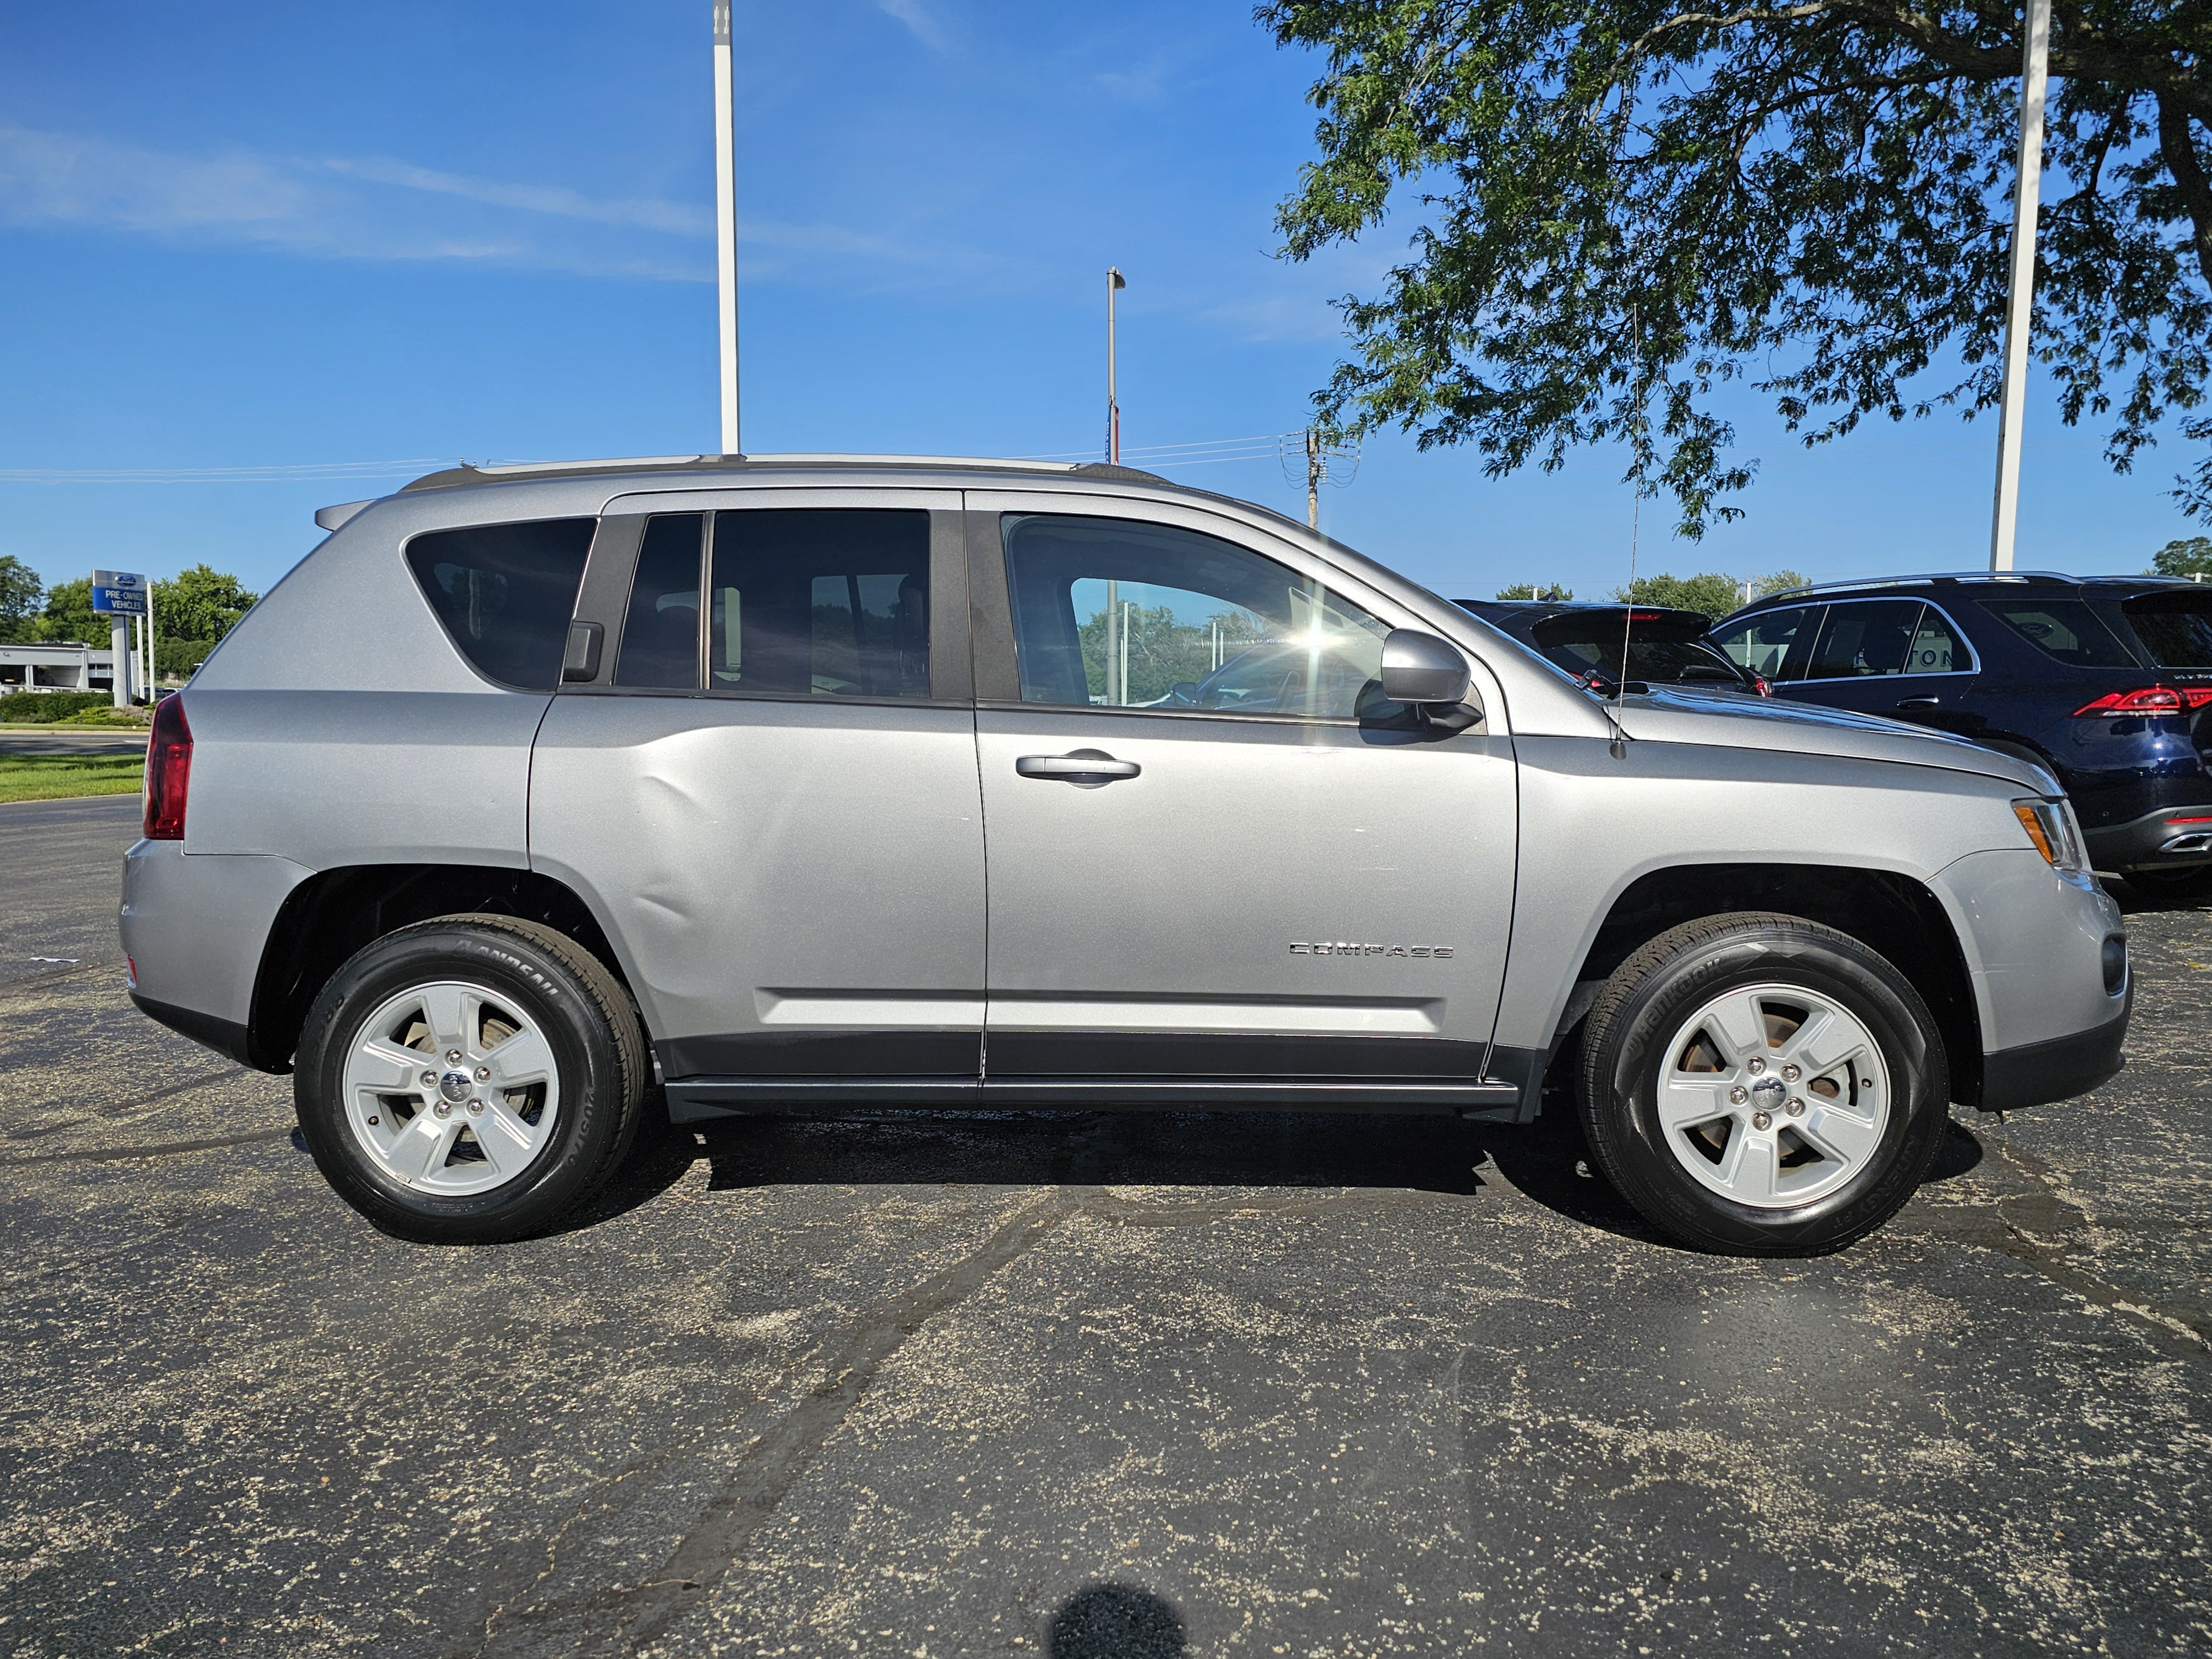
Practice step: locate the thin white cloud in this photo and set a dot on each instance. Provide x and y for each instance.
(677, 218)
(924, 27)
(60, 178)
(381, 208)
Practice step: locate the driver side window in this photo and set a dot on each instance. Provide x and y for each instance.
(1119, 613)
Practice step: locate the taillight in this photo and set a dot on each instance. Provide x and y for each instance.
(2151, 699)
(168, 771)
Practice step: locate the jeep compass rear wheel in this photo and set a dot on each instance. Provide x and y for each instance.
(1763, 1085)
(468, 1079)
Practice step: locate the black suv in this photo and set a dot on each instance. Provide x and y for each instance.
(2107, 680)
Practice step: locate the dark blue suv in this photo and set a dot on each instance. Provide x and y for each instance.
(2107, 680)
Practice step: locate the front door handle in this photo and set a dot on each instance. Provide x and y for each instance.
(1086, 769)
(1920, 702)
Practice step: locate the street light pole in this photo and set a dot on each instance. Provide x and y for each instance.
(726, 224)
(2019, 302)
(1114, 282)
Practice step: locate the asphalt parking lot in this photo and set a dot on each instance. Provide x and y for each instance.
(1079, 1385)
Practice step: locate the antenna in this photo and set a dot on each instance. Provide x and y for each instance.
(725, 226)
(1619, 743)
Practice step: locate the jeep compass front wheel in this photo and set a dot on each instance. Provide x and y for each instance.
(1763, 1085)
(468, 1079)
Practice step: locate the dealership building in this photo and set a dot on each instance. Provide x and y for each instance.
(64, 665)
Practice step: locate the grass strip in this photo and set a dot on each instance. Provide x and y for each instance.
(59, 777)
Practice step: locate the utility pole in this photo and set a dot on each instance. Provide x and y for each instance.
(1115, 283)
(726, 224)
(2019, 302)
(1313, 479)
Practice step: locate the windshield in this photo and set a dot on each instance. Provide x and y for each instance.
(1664, 649)
(2176, 628)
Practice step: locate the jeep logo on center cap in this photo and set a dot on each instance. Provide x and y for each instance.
(454, 1085)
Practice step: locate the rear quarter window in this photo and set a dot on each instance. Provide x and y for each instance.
(505, 593)
(2066, 631)
(2176, 628)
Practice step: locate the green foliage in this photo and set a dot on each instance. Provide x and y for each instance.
(20, 592)
(1781, 581)
(2180, 557)
(1622, 206)
(200, 603)
(179, 659)
(44, 708)
(1711, 593)
(69, 615)
(1531, 591)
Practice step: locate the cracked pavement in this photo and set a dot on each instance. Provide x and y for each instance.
(1078, 1384)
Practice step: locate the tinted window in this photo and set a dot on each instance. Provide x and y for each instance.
(1936, 649)
(1661, 649)
(1125, 614)
(2176, 628)
(2065, 629)
(505, 592)
(660, 630)
(814, 600)
(1774, 643)
(1864, 636)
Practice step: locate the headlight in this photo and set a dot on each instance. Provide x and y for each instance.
(2050, 825)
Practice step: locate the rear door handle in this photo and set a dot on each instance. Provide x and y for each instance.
(1086, 769)
(1920, 702)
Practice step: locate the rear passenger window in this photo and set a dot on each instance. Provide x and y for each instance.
(1774, 644)
(1863, 637)
(1936, 649)
(821, 601)
(660, 630)
(505, 593)
(2065, 629)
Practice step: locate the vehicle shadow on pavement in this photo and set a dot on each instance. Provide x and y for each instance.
(1546, 1162)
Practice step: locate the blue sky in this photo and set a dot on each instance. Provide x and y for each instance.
(270, 236)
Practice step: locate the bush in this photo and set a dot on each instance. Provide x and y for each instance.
(42, 707)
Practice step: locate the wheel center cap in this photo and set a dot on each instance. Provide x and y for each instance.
(1766, 1093)
(454, 1085)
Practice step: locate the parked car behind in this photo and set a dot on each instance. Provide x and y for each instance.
(2106, 680)
(1665, 647)
(532, 788)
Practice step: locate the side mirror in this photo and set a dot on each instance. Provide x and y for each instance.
(1183, 694)
(1420, 668)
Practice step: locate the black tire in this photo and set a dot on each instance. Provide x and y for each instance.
(1663, 985)
(588, 1022)
(2191, 883)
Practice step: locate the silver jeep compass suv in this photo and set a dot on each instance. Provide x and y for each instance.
(787, 781)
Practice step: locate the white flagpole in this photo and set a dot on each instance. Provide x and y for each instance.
(2020, 302)
(725, 224)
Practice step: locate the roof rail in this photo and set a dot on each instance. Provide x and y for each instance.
(1925, 576)
(506, 471)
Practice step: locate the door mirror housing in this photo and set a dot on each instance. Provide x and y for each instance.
(1421, 668)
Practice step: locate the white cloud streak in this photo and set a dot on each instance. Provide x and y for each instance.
(924, 27)
(383, 209)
